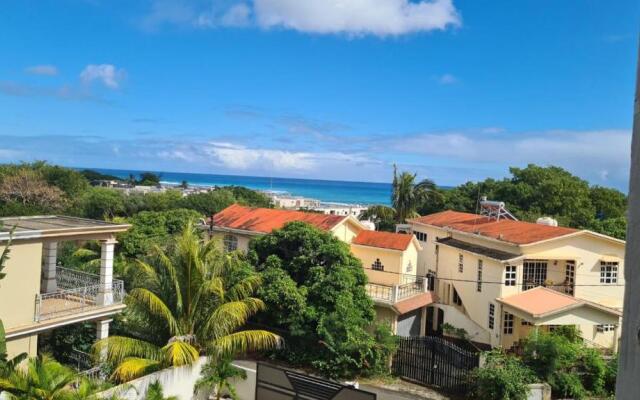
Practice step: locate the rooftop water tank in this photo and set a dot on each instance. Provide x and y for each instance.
(547, 221)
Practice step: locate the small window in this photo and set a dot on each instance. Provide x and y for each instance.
(479, 284)
(409, 267)
(608, 272)
(460, 263)
(605, 328)
(507, 324)
(492, 315)
(510, 275)
(526, 323)
(377, 265)
(230, 243)
(421, 236)
(456, 299)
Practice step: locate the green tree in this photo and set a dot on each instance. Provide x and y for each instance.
(210, 202)
(218, 375)
(148, 179)
(314, 289)
(502, 377)
(407, 195)
(186, 301)
(609, 203)
(101, 203)
(155, 392)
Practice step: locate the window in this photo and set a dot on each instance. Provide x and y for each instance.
(534, 274)
(570, 277)
(456, 299)
(409, 267)
(230, 243)
(608, 272)
(431, 281)
(510, 275)
(507, 324)
(492, 315)
(479, 284)
(526, 323)
(377, 265)
(421, 236)
(605, 328)
(460, 263)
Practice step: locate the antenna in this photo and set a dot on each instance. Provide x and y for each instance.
(495, 209)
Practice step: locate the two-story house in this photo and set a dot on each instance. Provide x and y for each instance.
(499, 278)
(38, 295)
(390, 259)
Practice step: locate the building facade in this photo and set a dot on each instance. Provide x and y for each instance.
(38, 295)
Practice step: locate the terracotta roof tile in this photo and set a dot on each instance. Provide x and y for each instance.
(415, 302)
(518, 232)
(265, 220)
(385, 240)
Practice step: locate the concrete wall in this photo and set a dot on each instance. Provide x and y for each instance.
(346, 231)
(180, 381)
(539, 391)
(243, 240)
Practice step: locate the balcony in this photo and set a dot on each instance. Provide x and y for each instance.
(77, 293)
(392, 294)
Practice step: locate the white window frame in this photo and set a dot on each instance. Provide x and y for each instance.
(609, 272)
(605, 328)
(230, 243)
(510, 275)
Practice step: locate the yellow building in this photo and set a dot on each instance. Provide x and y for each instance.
(499, 278)
(390, 259)
(38, 295)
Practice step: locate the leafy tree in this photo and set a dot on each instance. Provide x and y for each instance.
(148, 179)
(27, 191)
(614, 227)
(314, 289)
(188, 300)
(155, 392)
(609, 203)
(382, 216)
(92, 175)
(249, 197)
(210, 202)
(217, 375)
(100, 203)
(502, 377)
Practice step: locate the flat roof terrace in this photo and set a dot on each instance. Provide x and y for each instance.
(54, 226)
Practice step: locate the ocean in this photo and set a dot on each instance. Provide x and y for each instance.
(323, 190)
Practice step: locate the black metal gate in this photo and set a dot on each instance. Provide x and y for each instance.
(433, 361)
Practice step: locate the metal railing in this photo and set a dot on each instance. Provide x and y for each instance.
(410, 289)
(380, 292)
(394, 293)
(77, 292)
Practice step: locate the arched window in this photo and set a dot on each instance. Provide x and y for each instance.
(230, 243)
(377, 265)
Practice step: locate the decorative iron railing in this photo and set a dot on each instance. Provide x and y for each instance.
(77, 292)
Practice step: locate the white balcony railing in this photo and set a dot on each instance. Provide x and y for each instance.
(395, 293)
(76, 292)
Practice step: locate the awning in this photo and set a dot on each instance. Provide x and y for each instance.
(543, 306)
(415, 302)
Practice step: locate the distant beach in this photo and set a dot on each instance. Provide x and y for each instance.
(323, 190)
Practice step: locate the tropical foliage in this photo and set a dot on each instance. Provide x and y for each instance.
(186, 300)
(502, 377)
(314, 289)
(155, 392)
(217, 376)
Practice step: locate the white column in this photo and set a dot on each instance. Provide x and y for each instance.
(102, 329)
(105, 296)
(50, 253)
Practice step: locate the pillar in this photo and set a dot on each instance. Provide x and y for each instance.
(50, 255)
(102, 329)
(105, 294)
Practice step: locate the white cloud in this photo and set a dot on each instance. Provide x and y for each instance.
(48, 70)
(357, 17)
(108, 74)
(447, 79)
(350, 17)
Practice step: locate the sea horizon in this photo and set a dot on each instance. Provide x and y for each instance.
(325, 190)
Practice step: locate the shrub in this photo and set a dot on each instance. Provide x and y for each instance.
(502, 377)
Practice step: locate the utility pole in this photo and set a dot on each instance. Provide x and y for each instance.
(629, 364)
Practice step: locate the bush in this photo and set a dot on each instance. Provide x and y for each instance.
(503, 377)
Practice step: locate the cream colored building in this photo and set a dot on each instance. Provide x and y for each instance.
(389, 259)
(38, 295)
(499, 278)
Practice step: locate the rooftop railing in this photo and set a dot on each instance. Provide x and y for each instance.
(76, 292)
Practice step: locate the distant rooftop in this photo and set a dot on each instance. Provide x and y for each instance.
(53, 225)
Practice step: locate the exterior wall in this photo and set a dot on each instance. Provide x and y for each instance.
(427, 256)
(387, 316)
(19, 288)
(455, 317)
(346, 231)
(27, 345)
(390, 259)
(243, 240)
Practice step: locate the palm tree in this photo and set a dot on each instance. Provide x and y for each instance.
(193, 299)
(155, 392)
(407, 195)
(42, 378)
(217, 375)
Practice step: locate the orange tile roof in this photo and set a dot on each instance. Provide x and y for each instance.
(385, 240)
(518, 232)
(415, 302)
(265, 220)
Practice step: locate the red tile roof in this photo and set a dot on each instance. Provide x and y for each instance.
(265, 220)
(385, 240)
(415, 302)
(518, 232)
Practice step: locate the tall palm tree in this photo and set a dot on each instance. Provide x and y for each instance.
(190, 300)
(42, 378)
(407, 194)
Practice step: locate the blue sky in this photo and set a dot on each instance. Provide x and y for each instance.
(452, 90)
